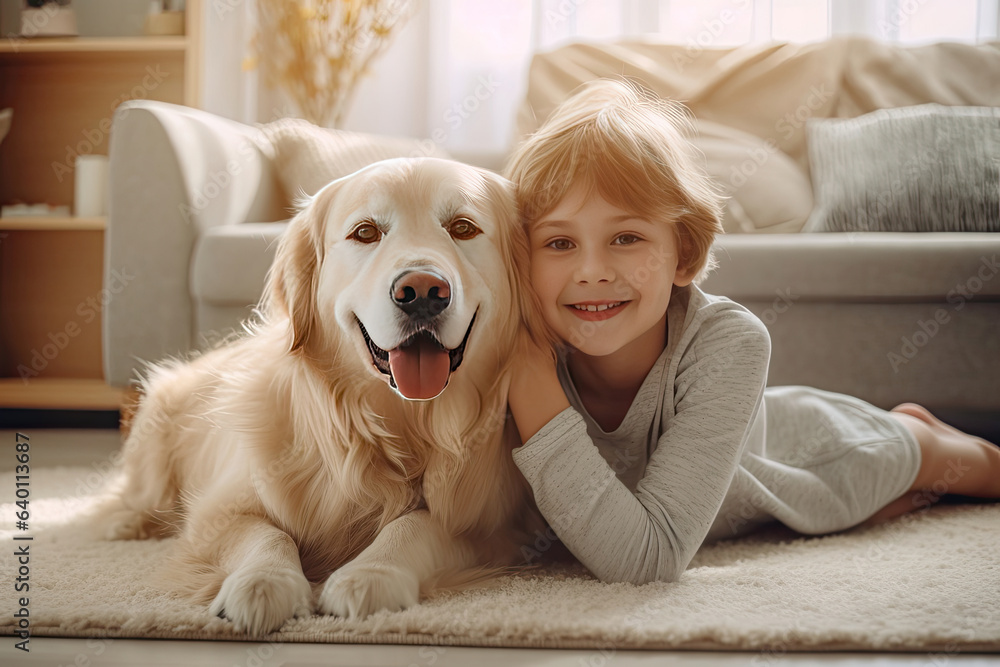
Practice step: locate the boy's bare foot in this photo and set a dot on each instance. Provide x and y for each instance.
(924, 415)
(952, 461)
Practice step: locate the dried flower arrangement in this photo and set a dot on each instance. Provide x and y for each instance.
(318, 49)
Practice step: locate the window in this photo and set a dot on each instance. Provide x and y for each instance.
(915, 21)
(471, 84)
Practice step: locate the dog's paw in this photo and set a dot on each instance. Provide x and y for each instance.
(259, 600)
(126, 525)
(357, 590)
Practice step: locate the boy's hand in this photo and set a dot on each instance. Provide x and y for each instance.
(535, 393)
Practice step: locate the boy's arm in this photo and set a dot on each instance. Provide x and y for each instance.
(653, 534)
(535, 396)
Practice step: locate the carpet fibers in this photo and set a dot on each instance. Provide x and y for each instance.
(927, 581)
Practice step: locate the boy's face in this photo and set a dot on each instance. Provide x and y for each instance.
(589, 252)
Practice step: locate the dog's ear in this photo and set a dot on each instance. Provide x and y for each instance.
(517, 257)
(290, 288)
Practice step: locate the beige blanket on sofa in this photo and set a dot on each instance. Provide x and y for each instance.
(770, 90)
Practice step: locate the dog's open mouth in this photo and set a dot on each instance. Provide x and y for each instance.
(420, 367)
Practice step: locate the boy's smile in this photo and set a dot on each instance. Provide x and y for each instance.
(597, 311)
(604, 277)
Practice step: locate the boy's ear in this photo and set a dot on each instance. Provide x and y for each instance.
(684, 276)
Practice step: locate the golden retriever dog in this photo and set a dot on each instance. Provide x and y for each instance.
(352, 451)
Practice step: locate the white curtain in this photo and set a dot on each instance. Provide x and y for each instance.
(456, 72)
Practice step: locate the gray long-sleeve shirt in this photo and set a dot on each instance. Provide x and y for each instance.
(705, 452)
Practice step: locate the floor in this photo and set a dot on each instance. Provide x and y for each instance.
(52, 447)
(45, 651)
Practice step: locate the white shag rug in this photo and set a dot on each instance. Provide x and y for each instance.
(929, 581)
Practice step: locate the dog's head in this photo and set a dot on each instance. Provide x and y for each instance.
(418, 264)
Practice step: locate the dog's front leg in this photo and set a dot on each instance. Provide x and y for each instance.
(388, 573)
(265, 585)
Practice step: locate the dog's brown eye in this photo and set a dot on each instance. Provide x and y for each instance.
(366, 233)
(463, 229)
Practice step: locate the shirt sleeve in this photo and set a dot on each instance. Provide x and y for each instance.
(653, 534)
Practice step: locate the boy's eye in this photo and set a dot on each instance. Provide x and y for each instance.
(627, 239)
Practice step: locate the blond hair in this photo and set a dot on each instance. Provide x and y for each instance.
(629, 145)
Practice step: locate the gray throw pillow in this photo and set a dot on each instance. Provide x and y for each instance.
(926, 168)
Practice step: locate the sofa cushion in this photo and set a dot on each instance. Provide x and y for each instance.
(767, 190)
(307, 156)
(922, 168)
(875, 267)
(229, 263)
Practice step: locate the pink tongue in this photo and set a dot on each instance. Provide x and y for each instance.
(421, 370)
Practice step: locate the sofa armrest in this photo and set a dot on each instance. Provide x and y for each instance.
(174, 172)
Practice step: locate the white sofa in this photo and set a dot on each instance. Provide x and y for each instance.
(196, 206)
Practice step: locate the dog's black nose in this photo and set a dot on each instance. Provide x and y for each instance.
(421, 294)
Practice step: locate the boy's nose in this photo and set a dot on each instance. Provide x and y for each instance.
(594, 267)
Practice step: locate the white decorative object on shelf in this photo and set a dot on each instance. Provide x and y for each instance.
(161, 20)
(34, 211)
(48, 18)
(91, 186)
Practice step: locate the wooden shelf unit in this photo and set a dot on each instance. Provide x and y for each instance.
(43, 223)
(66, 393)
(128, 46)
(64, 91)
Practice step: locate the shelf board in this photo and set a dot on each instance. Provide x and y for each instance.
(37, 45)
(43, 223)
(59, 394)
